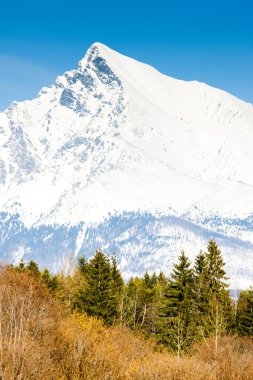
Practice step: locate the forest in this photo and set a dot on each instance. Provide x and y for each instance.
(90, 324)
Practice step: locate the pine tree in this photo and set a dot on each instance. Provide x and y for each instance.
(82, 265)
(217, 280)
(116, 275)
(214, 303)
(96, 298)
(49, 280)
(33, 269)
(149, 305)
(116, 288)
(201, 285)
(245, 313)
(179, 291)
(162, 280)
(176, 325)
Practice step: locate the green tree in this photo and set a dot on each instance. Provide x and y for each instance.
(179, 290)
(97, 298)
(213, 304)
(33, 269)
(155, 292)
(201, 288)
(218, 283)
(176, 324)
(245, 313)
(117, 284)
(147, 297)
(141, 302)
(116, 275)
(82, 265)
(217, 279)
(49, 280)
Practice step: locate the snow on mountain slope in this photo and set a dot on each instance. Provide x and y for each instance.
(115, 141)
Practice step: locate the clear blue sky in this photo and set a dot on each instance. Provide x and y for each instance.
(206, 40)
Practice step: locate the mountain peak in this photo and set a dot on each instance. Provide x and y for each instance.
(133, 160)
(100, 49)
(99, 46)
(97, 49)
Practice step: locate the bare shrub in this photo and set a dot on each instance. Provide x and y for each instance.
(27, 328)
(232, 360)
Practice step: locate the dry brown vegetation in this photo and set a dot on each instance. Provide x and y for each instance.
(38, 340)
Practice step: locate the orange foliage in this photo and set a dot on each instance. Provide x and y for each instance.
(38, 340)
(28, 317)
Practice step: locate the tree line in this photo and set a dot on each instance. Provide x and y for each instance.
(192, 304)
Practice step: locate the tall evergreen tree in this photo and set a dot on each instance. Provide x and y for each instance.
(82, 265)
(217, 280)
(116, 288)
(50, 281)
(116, 275)
(96, 298)
(214, 304)
(201, 285)
(179, 290)
(176, 325)
(149, 303)
(245, 313)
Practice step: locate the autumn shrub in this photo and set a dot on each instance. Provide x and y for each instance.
(99, 352)
(39, 339)
(28, 317)
(231, 359)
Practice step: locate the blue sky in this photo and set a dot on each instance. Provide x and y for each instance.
(208, 40)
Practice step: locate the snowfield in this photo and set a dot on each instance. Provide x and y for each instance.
(118, 156)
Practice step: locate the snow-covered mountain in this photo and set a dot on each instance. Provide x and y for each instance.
(118, 156)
